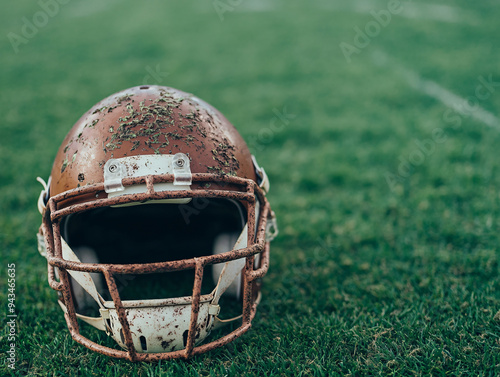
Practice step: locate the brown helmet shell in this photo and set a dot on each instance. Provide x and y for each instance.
(149, 120)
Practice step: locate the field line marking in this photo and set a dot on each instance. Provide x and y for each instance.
(239, 6)
(257, 6)
(87, 9)
(436, 12)
(436, 91)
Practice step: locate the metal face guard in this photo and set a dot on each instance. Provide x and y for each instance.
(157, 325)
(197, 314)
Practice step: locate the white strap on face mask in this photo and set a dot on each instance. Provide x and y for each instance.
(82, 278)
(231, 269)
(229, 274)
(97, 322)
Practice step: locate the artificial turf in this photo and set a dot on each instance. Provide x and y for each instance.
(386, 194)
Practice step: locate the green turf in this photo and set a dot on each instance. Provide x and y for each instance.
(364, 280)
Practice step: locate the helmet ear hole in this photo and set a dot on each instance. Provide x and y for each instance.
(225, 242)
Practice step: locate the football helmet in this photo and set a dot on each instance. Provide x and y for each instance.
(155, 226)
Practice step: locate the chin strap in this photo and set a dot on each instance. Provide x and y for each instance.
(97, 322)
(231, 269)
(229, 274)
(82, 278)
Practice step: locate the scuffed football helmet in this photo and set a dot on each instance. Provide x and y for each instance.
(156, 227)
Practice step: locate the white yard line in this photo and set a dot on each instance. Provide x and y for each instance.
(436, 91)
(438, 12)
(84, 9)
(258, 6)
(226, 7)
(412, 10)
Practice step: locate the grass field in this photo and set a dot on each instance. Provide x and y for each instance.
(385, 173)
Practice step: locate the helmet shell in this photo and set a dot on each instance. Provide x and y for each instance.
(147, 120)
